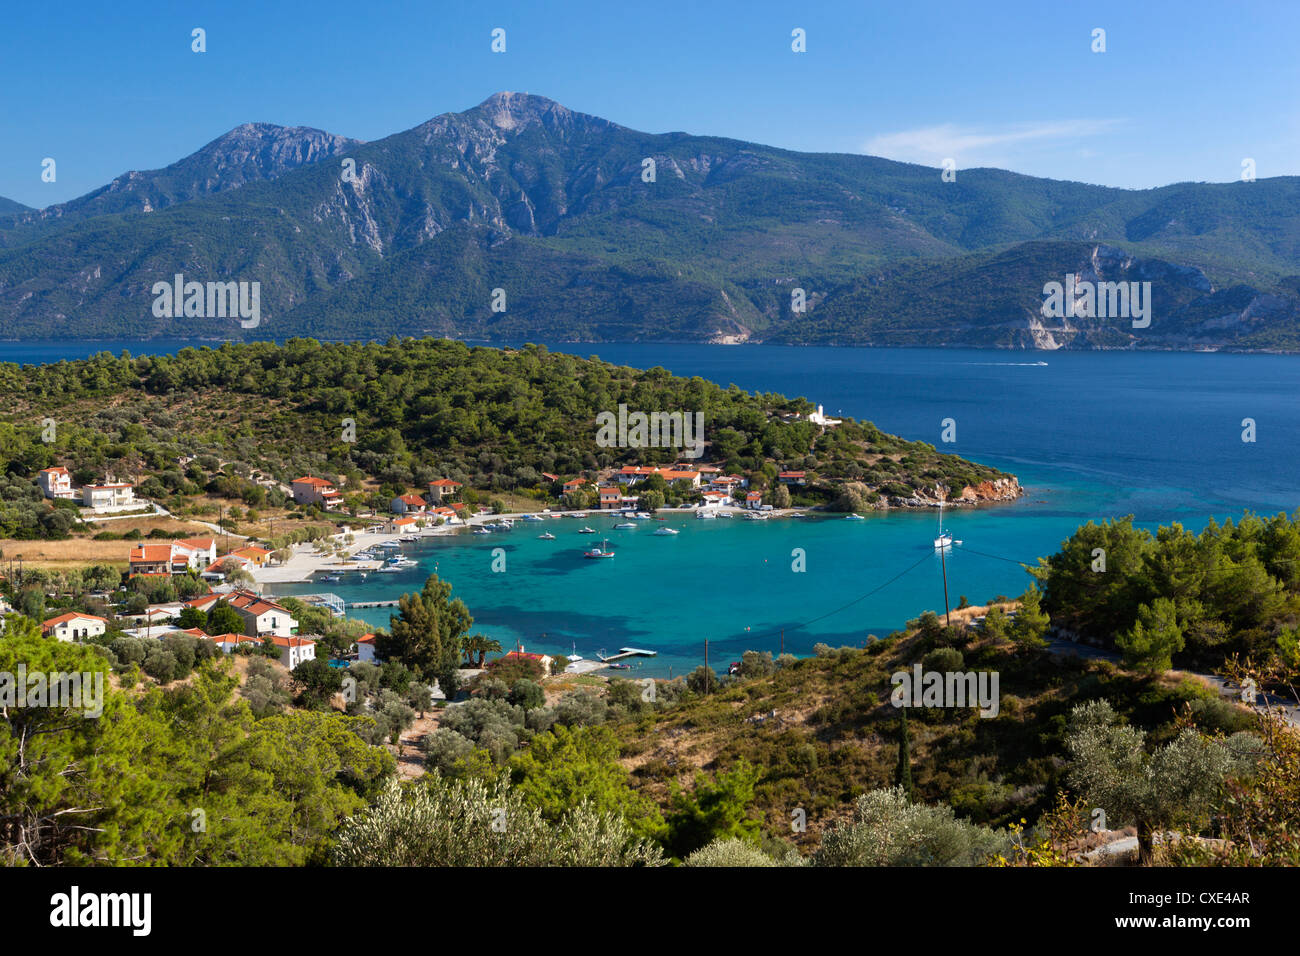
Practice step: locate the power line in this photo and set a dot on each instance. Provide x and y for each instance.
(822, 617)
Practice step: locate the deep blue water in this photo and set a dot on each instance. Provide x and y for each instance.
(1091, 435)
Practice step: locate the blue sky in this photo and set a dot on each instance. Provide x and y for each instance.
(1184, 91)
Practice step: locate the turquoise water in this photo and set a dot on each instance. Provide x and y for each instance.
(1091, 435)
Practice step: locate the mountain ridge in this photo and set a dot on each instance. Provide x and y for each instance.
(552, 206)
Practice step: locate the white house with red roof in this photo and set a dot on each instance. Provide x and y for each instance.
(409, 504)
(632, 474)
(74, 626)
(177, 557)
(310, 490)
(544, 659)
(294, 650)
(754, 499)
(720, 499)
(227, 643)
(262, 616)
(56, 483)
(792, 477)
(366, 647)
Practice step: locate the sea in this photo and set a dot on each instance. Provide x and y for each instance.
(1091, 435)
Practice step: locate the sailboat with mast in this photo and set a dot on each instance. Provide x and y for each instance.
(944, 541)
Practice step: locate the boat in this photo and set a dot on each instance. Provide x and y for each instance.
(578, 514)
(798, 514)
(944, 541)
(624, 524)
(854, 517)
(387, 569)
(665, 530)
(600, 552)
(620, 667)
(408, 538)
(755, 516)
(332, 577)
(546, 536)
(482, 531)
(532, 518)
(702, 515)
(586, 530)
(641, 516)
(725, 514)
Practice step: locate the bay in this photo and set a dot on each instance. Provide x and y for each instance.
(1091, 435)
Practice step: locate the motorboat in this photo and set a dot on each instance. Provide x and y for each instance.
(331, 577)
(854, 517)
(624, 524)
(705, 515)
(586, 530)
(532, 518)
(482, 531)
(546, 536)
(665, 530)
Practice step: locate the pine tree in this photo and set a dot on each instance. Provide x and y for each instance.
(903, 775)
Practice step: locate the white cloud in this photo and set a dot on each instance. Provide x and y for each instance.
(970, 147)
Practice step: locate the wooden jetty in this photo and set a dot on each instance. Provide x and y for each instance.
(372, 603)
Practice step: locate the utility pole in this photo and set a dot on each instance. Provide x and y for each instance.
(944, 567)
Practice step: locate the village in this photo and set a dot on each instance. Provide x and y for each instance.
(242, 575)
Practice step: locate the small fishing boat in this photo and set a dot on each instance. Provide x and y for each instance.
(665, 530)
(585, 530)
(482, 531)
(854, 517)
(725, 514)
(620, 667)
(624, 524)
(332, 577)
(546, 536)
(600, 552)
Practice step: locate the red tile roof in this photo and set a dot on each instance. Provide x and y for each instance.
(71, 616)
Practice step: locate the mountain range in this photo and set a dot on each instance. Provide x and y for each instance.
(576, 228)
